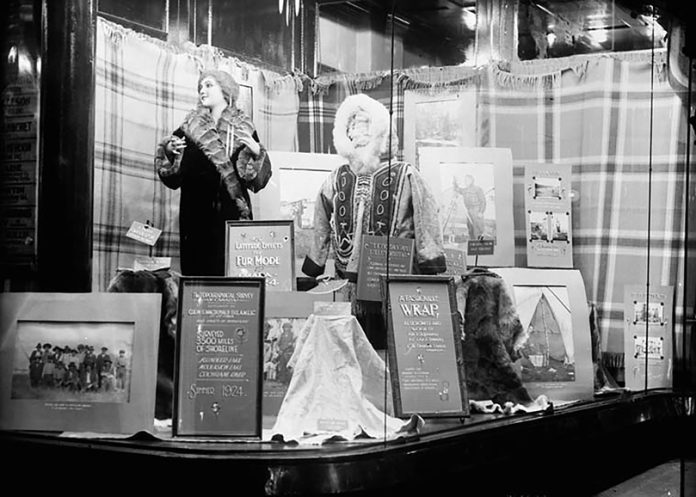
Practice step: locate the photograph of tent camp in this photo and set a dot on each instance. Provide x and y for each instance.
(547, 355)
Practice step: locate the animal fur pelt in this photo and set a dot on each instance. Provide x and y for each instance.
(603, 380)
(166, 283)
(492, 336)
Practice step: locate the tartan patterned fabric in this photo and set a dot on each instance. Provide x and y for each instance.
(143, 90)
(593, 112)
(612, 122)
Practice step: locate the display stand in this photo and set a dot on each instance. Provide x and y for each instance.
(603, 442)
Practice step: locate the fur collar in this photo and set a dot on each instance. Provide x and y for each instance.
(218, 142)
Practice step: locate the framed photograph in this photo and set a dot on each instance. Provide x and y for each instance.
(443, 118)
(285, 316)
(219, 357)
(548, 215)
(78, 362)
(556, 354)
(648, 329)
(262, 248)
(473, 187)
(425, 350)
(297, 179)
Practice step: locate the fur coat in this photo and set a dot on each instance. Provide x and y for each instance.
(166, 283)
(215, 172)
(492, 338)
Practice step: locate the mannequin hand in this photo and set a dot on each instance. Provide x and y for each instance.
(175, 145)
(251, 144)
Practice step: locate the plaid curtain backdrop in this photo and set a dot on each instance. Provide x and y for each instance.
(143, 90)
(611, 118)
(593, 112)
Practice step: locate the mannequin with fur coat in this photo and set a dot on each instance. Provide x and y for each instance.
(370, 195)
(215, 158)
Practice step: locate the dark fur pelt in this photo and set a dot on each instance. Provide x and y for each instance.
(166, 283)
(603, 380)
(492, 330)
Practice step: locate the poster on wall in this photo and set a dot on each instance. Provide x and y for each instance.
(18, 175)
(219, 356)
(78, 362)
(473, 187)
(555, 357)
(261, 248)
(425, 355)
(446, 118)
(548, 215)
(648, 327)
(292, 193)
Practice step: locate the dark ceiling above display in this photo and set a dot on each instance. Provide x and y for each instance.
(546, 28)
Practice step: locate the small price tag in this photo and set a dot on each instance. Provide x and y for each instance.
(144, 233)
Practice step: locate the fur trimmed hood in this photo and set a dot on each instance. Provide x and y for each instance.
(379, 125)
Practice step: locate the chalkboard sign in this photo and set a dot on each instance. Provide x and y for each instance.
(262, 249)
(425, 355)
(219, 354)
(374, 253)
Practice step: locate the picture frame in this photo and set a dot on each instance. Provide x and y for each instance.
(219, 355)
(424, 346)
(648, 336)
(473, 187)
(445, 117)
(264, 249)
(556, 355)
(97, 365)
(548, 215)
(292, 193)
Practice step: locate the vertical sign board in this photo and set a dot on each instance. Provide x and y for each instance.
(425, 354)
(18, 175)
(648, 327)
(548, 215)
(374, 256)
(219, 357)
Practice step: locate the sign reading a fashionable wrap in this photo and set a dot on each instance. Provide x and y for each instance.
(219, 357)
(425, 353)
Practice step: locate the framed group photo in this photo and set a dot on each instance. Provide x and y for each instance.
(78, 362)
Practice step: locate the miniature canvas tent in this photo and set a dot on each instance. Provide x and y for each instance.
(545, 314)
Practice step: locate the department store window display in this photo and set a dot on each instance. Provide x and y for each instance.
(542, 177)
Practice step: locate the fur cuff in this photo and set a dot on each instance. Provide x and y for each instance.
(167, 166)
(248, 164)
(433, 266)
(311, 268)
